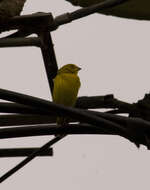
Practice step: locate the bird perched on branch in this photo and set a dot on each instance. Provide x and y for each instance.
(66, 87)
(10, 8)
(133, 9)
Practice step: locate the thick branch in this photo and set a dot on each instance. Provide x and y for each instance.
(60, 110)
(134, 129)
(20, 152)
(20, 42)
(80, 13)
(85, 102)
(29, 21)
(12, 120)
(32, 22)
(49, 57)
(18, 108)
(27, 131)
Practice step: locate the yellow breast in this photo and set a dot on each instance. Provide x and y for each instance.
(66, 86)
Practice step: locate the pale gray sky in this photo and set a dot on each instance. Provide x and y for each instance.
(114, 56)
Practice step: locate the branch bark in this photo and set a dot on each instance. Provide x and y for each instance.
(21, 152)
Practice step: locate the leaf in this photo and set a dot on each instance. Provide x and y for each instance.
(10, 8)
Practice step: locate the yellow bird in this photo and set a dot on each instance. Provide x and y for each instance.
(66, 87)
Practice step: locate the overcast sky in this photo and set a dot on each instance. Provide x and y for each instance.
(114, 56)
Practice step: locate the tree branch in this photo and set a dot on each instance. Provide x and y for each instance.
(31, 157)
(16, 120)
(19, 42)
(20, 152)
(54, 129)
(60, 110)
(83, 12)
(30, 21)
(49, 57)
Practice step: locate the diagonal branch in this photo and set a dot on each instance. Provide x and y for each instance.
(49, 57)
(80, 13)
(31, 157)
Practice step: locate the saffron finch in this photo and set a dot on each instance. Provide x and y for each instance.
(66, 87)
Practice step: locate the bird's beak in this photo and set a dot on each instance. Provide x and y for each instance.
(79, 68)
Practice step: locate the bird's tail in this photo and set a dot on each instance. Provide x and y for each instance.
(61, 121)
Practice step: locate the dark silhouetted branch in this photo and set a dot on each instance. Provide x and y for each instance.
(16, 120)
(49, 57)
(18, 108)
(80, 13)
(27, 131)
(21, 152)
(79, 115)
(134, 129)
(85, 102)
(20, 42)
(107, 102)
(34, 21)
(44, 147)
(60, 110)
